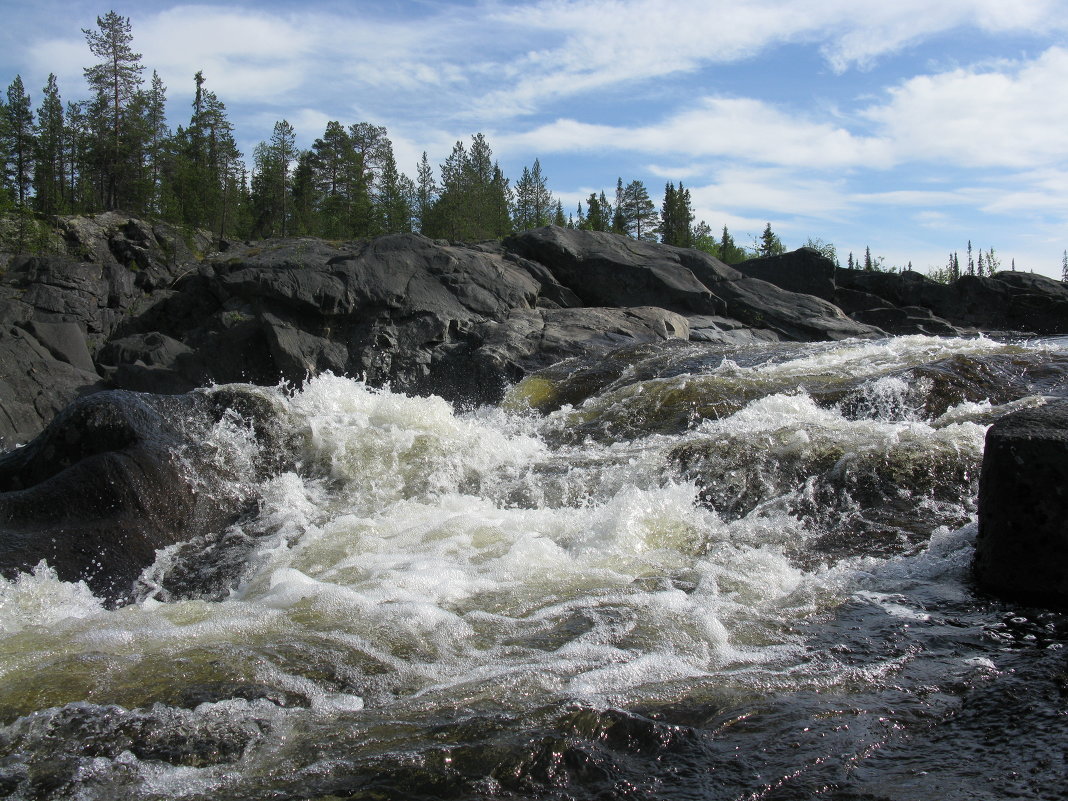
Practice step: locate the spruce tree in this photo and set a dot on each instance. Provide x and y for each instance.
(769, 243)
(50, 153)
(676, 217)
(426, 192)
(534, 205)
(1064, 266)
(868, 264)
(729, 252)
(20, 141)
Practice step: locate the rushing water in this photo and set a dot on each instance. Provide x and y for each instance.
(682, 572)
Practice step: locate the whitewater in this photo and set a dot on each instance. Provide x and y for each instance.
(713, 572)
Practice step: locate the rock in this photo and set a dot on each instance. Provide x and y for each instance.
(35, 386)
(804, 270)
(1021, 551)
(118, 475)
(612, 270)
(906, 320)
(1006, 301)
(66, 342)
(609, 270)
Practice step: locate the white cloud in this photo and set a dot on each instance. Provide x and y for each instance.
(730, 128)
(1015, 116)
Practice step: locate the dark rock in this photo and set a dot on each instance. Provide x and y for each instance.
(1006, 301)
(66, 342)
(1021, 551)
(906, 320)
(116, 476)
(804, 270)
(34, 385)
(612, 270)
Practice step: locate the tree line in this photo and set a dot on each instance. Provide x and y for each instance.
(116, 151)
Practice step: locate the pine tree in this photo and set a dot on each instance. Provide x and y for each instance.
(637, 212)
(20, 141)
(869, 266)
(981, 268)
(971, 261)
(115, 82)
(619, 222)
(850, 264)
(1064, 266)
(50, 154)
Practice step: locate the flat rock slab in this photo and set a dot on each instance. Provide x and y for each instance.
(1022, 548)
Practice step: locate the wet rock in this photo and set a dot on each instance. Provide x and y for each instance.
(906, 320)
(1021, 551)
(116, 476)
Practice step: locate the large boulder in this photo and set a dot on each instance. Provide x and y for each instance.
(612, 270)
(118, 475)
(804, 270)
(1022, 548)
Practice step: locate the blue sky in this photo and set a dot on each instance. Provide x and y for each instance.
(910, 126)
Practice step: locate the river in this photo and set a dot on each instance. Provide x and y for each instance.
(688, 572)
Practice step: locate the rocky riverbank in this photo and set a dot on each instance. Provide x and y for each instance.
(129, 306)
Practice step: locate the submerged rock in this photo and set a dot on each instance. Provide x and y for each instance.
(1021, 551)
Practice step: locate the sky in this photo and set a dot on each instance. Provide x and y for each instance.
(908, 126)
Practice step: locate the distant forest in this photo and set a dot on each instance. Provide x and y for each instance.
(115, 151)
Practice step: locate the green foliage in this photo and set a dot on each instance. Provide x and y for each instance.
(676, 217)
(534, 205)
(825, 249)
(769, 243)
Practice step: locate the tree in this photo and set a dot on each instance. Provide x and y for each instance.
(993, 263)
(534, 206)
(158, 135)
(394, 197)
(869, 266)
(558, 217)
(50, 153)
(598, 213)
(769, 243)
(115, 82)
(637, 213)
(676, 217)
(19, 144)
(426, 191)
(971, 261)
(729, 252)
(825, 249)
(271, 183)
(1064, 266)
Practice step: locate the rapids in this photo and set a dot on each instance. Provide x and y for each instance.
(687, 572)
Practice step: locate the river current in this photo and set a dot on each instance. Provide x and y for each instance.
(686, 572)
